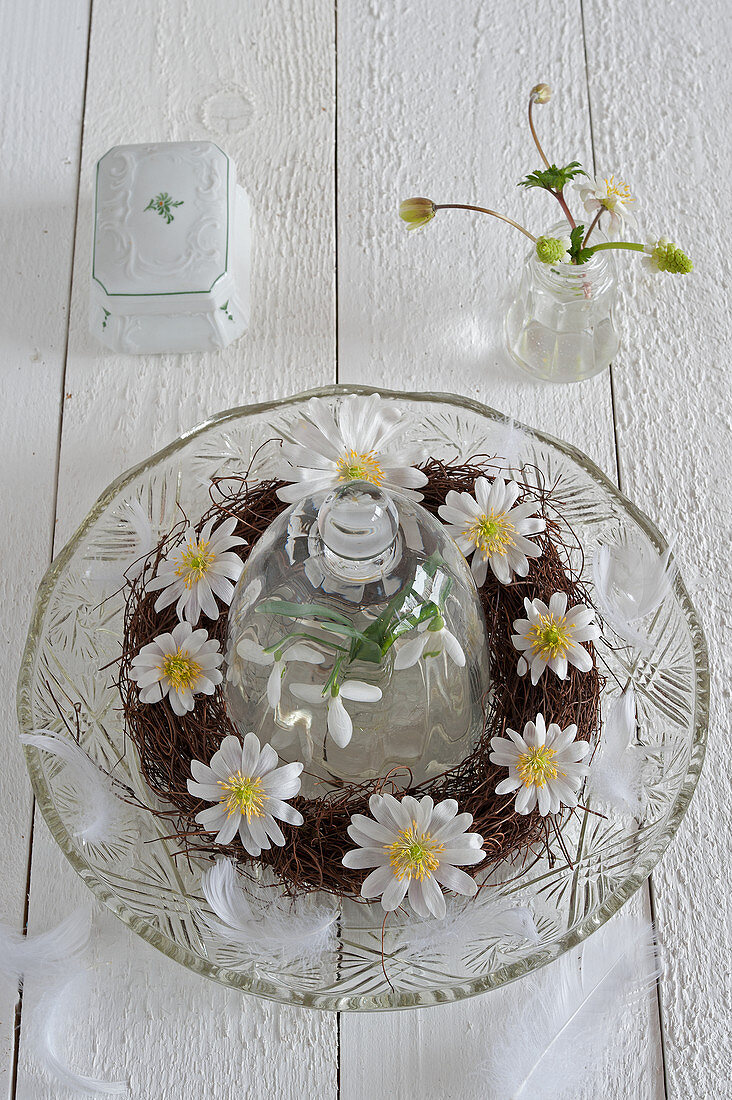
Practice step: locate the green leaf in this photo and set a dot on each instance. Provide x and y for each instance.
(553, 178)
(292, 610)
(579, 254)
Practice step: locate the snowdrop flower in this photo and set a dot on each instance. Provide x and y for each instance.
(543, 766)
(607, 194)
(340, 725)
(433, 638)
(197, 570)
(492, 530)
(415, 847)
(181, 664)
(662, 255)
(550, 636)
(249, 650)
(249, 791)
(357, 446)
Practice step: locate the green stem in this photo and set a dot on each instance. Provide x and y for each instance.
(485, 210)
(628, 245)
(327, 690)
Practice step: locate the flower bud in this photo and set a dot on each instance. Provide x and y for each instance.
(552, 250)
(541, 93)
(417, 212)
(665, 256)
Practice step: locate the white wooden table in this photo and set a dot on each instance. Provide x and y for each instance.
(333, 113)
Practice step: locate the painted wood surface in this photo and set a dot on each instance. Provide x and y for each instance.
(43, 65)
(446, 117)
(421, 98)
(673, 401)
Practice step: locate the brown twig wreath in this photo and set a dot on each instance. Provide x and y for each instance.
(311, 858)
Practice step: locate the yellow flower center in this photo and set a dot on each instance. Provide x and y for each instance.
(360, 467)
(550, 637)
(242, 794)
(414, 854)
(180, 670)
(619, 190)
(537, 765)
(195, 561)
(492, 533)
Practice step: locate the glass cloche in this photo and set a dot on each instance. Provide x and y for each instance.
(357, 641)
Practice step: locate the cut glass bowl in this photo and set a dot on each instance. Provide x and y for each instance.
(75, 634)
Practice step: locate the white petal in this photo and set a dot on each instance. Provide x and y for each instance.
(357, 689)
(340, 726)
(274, 685)
(228, 829)
(250, 651)
(433, 896)
(358, 858)
(309, 693)
(301, 651)
(409, 652)
(454, 879)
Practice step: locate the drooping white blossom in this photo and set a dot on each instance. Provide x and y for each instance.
(432, 639)
(249, 650)
(338, 720)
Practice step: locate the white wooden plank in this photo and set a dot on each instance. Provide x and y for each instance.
(42, 68)
(659, 88)
(432, 101)
(260, 83)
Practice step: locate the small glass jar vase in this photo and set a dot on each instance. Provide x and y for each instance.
(559, 327)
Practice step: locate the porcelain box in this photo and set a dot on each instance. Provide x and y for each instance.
(171, 249)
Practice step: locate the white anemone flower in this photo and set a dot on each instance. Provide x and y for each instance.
(607, 194)
(198, 569)
(358, 443)
(181, 665)
(433, 639)
(550, 637)
(249, 650)
(249, 791)
(543, 766)
(339, 721)
(489, 527)
(417, 847)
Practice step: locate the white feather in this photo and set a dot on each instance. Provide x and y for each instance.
(465, 921)
(509, 443)
(48, 1021)
(137, 537)
(568, 1013)
(102, 809)
(261, 920)
(615, 776)
(47, 953)
(631, 580)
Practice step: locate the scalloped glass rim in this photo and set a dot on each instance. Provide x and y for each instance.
(399, 999)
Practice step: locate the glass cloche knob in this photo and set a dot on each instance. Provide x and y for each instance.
(358, 524)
